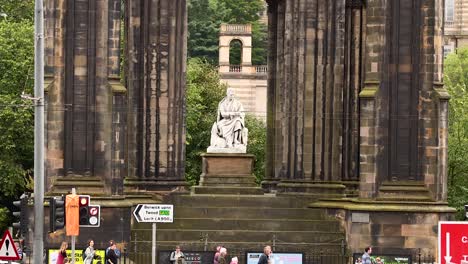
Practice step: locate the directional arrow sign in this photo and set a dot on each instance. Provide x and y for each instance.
(154, 213)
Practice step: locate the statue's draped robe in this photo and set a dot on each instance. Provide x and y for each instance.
(231, 118)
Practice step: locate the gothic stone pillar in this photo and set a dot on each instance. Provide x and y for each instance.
(156, 52)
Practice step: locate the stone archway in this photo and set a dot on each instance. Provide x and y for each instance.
(233, 32)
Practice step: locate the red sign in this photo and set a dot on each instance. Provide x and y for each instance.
(93, 210)
(8, 249)
(453, 242)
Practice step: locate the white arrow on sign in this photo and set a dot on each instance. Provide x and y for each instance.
(154, 213)
(447, 256)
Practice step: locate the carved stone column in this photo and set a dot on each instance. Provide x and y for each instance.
(157, 64)
(82, 53)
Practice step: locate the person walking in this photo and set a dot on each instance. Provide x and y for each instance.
(111, 255)
(366, 256)
(177, 256)
(62, 254)
(89, 252)
(234, 260)
(116, 250)
(265, 257)
(222, 256)
(216, 256)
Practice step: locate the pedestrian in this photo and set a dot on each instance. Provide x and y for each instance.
(366, 256)
(177, 256)
(116, 250)
(111, 256)
(222, 256)
(62, 254)
(216, 256)
(234, 260)
(19, 249)
(265, 257)
(89, 252)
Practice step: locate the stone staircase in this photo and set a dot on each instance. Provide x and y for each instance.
(243, 223)
(404, 191)
(93, 186)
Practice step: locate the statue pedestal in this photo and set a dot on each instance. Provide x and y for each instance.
(227, 173)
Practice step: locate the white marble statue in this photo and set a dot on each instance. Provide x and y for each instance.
(229, 134)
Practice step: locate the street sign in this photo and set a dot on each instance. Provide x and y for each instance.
(8, 249)
(453, 242)
(94, 216)
(154, 213)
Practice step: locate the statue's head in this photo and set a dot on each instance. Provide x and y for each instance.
(230, 93)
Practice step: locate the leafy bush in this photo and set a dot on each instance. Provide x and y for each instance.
(456, 81)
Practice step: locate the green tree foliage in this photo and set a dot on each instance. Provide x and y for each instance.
(235, 56)
(16, 115)
(17, 54)
(3, 218)
(257, 145)
(204, 92)
(259, 43)
(205, 18)
(17, 10)
(456, 81)
(203, 30)
(16, 148)
(238, 11)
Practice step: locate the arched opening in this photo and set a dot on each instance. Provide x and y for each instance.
(235, 52)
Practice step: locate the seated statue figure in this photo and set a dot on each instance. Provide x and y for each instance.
(229, 134)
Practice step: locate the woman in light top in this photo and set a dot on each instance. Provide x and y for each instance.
(177, 256)
(89, 252)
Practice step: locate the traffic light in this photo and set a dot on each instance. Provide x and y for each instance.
(56, 213)
(84, 210)
(22, 214)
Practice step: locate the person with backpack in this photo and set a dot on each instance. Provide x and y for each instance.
(111, 256)
(177, 256)
(89, 253)
(116, 251)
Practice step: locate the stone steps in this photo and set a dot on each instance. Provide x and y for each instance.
(229, 209)
(244, 223)
(228, 180)
(246, 235)
(248, 213)
(93, 186)
(243, 189)
(403, 191)
(251, 224)
(256, 201)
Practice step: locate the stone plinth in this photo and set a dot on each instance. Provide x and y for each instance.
(227, 173)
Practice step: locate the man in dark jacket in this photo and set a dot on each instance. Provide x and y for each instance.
(265, 257)
(111, 256)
